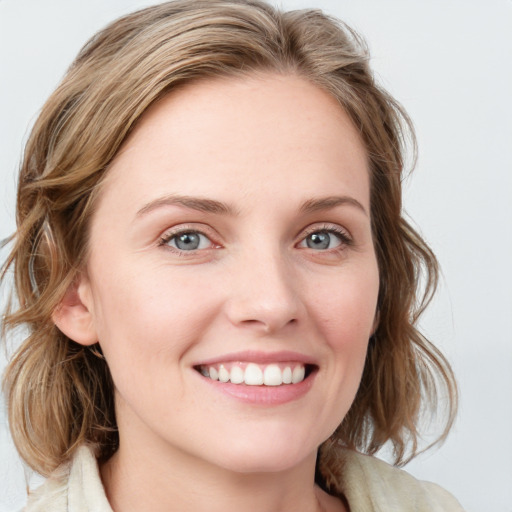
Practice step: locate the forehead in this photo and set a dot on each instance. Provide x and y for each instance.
(229, 137)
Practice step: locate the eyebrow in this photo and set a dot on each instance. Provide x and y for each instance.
(220, 208)
(193, 203)
(326, 203)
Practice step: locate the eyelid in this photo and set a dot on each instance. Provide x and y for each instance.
(328, 227)
(200, 229)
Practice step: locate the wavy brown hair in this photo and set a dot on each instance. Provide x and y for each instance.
(60, 394)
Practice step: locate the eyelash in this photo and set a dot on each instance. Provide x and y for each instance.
(345, 238)
(343, 235)
(167, 237)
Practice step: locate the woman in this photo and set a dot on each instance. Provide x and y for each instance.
(220, 289)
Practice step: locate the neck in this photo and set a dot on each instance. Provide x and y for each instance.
(140, 480)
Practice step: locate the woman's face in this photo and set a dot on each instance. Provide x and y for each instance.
(232, 240)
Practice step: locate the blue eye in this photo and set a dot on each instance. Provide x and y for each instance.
(188, 241)
(322, 240)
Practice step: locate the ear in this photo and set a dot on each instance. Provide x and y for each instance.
(73, 316)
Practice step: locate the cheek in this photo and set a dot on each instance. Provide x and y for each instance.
(346, 309)
(344, 313)
(152, 314)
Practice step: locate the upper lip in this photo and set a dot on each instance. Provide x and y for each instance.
(253, 356)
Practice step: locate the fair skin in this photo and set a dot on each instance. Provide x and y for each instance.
(233, 229)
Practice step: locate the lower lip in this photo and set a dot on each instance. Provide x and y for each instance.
(263, 395)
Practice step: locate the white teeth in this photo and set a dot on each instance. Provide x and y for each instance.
(214, 374)
(298, 374)
(287, 375)
(272, 375)
(255, 375)
(223, 374)
(237, 375)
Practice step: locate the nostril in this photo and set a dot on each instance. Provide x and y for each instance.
(268, 325)
(263, 295)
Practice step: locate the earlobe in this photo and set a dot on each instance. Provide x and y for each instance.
(73, 316)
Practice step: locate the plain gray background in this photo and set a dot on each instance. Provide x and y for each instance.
(449, 64)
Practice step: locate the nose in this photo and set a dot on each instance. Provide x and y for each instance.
(263, 295)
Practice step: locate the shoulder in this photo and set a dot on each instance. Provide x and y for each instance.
(371, 484)
(73, 487)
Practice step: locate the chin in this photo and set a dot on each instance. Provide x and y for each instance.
(270, 454)
(261, 463)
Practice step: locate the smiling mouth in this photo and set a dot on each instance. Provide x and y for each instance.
(252, 374)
